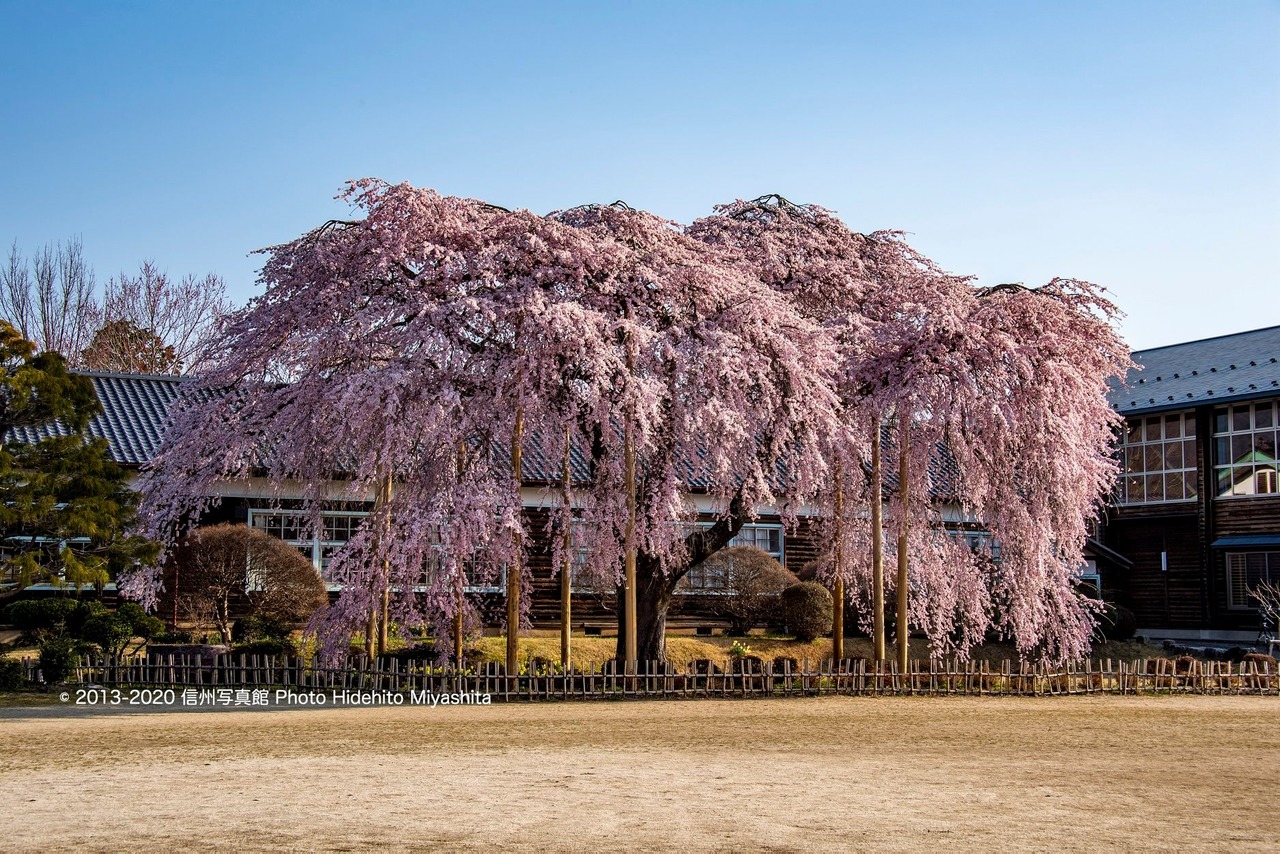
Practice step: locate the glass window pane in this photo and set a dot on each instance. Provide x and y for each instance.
(1134, 433)
(1240, 417)
(1264, 444)
(1133, 489)
(1173, 455)
(1173, 486)
(1189, 488)
(1242, 480)
(1155, 487)
(1153, 429)
(1222, 450)
(1224, 481)
(1189, 453)
(1153, 458)
(1189, 425)
(1172, 426)
(1262, 415)
(1220, 421)
(1241, 448)
(1264, 480)
(1133, 459)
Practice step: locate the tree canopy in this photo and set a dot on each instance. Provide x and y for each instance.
(67, 509)
(750, 358)
(142, 323)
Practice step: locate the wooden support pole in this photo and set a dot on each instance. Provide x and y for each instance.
(877, 548)
(457, 635)
(904, 632)
(513, 568)
(384, 497)
(460, 591)
(629, 566)
(566, 565)
(629, 626)
(837, 589)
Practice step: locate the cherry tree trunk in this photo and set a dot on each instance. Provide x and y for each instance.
(652, 599)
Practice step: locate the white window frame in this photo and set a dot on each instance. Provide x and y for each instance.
(1259, 475)
(686, 587)
(316, 542)
(1140, 447)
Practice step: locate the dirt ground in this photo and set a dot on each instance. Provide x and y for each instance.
(897, 774)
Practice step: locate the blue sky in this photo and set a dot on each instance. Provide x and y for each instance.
(1133, 144)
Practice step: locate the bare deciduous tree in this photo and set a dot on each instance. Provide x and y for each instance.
(51, 301)
(179, 314)
(1267, 595)
(225, 568)
(752, 581)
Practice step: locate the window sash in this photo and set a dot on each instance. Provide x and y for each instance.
(767, 537)
(1244, 571)
(1157, 457)
(1246, 436)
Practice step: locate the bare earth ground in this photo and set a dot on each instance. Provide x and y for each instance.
(1010, 774)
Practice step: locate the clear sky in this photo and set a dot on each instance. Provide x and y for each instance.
(1133, 144)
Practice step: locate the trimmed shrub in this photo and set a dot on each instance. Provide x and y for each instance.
(259, 628)
(141, 624)
(1118, 623)
(111, 631)
(10, 674)
(108, 632)
(224, 565)
(807, 609)
(40, 619)
(752, 581)
(58, 658)
(781, 662)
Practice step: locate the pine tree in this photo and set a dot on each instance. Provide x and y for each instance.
(65, 507)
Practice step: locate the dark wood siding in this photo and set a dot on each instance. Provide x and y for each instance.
(1159, 596)
(1233, 517)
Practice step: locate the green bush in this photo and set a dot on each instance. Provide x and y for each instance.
(258, 627)
(108, 632)
(10, 674)
(807, 609)
(58, 658)
(40, 619)
(141, 624)
(83, 614)
(423, 651)
(111, 631)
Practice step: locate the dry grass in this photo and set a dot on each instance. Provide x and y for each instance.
(682, 649)
(835, 774)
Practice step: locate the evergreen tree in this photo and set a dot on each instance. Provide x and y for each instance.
(66, 508)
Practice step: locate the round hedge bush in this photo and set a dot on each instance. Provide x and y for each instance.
(10, 674)
(807, 609)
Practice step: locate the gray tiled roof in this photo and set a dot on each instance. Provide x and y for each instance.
(134, 410)
(1214, 370)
